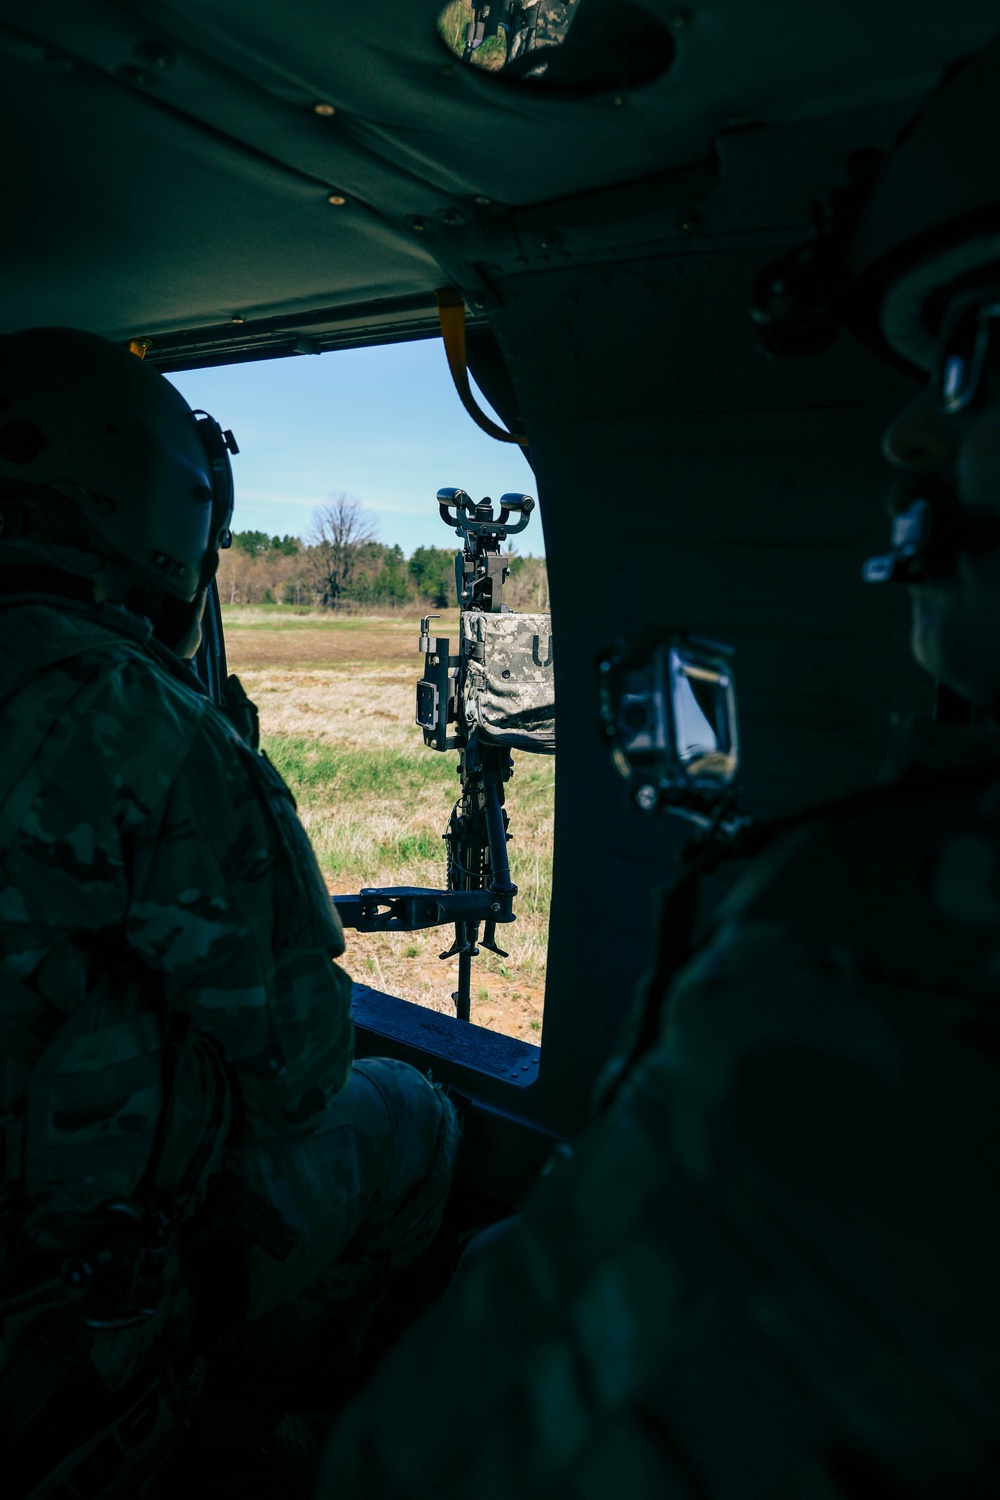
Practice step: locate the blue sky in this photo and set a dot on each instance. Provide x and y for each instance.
(384, 424)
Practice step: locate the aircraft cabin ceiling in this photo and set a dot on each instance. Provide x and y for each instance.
(239, 178)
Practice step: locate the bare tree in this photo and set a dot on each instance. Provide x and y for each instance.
(340, 529)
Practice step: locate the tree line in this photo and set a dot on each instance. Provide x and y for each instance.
(342, 565)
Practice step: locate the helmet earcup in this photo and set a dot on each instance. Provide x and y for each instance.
(85, 420)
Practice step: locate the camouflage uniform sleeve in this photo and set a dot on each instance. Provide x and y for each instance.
(769, 1268)
(229, 906)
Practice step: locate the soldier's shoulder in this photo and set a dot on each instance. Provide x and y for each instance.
(919, 806)
(905, 881)
(109, 701)
(43, 644)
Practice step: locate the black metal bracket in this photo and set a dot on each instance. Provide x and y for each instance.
(437, 690)
(407, 908)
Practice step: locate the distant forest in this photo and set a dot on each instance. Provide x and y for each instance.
(341, 565)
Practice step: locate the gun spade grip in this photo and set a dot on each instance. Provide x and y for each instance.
(524, 504)
(453, 496)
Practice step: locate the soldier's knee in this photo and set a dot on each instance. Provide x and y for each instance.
(424, 1126)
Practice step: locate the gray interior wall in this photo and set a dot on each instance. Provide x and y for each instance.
(686, 482)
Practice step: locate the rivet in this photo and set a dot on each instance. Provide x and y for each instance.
(618, 99)
(155, 53)
(418, 225)
(482, 200)
(337, 199)
(449, 216)
(237, 318)
(324, 109)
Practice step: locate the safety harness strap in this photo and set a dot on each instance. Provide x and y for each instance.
(451, 316)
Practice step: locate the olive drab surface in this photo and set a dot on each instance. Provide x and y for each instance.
(770, 1267)
(166, 934)
(509, 687)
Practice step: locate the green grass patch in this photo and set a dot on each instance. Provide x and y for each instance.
(237, 617)
(313, 766)
(414, 846)
(452, 23)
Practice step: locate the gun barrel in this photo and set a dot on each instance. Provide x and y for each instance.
(497, 835)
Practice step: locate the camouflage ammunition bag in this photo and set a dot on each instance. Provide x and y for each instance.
(508, 690)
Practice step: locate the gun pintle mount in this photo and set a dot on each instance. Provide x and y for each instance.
(479, 891)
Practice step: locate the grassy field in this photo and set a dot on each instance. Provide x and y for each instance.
(452, 22)
(336, 701)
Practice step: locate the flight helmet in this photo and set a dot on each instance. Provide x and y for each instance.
(930, 229)
(104, 468)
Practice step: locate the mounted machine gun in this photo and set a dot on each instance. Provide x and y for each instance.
(491, 696)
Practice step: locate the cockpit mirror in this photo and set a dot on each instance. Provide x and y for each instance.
(668, 715)
(577, 47)
(497, 34)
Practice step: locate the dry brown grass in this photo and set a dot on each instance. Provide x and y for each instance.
(336, 700)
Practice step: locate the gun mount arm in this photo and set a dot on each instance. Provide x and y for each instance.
(408, 908)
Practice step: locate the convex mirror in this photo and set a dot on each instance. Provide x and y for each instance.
(498, 34)
(569, 47)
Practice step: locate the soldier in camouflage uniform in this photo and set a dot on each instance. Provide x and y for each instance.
(176, 1034)
(770, 1269)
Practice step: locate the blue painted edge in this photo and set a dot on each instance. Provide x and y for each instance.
(429, 1031)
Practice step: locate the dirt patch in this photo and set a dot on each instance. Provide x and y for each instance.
(506, 1004)
(257, 642)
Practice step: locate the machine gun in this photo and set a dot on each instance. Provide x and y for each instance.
(492, 695)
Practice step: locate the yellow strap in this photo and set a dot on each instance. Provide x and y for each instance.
(451, 316)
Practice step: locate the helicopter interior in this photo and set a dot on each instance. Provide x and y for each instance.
(232, 181)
